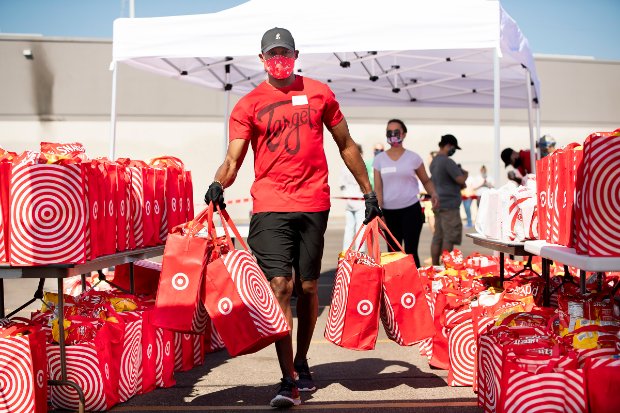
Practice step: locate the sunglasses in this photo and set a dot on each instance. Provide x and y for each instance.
(392, 133)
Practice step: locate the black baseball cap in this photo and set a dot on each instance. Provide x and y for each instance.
(449, 139)
(277, 37)
(506, 155)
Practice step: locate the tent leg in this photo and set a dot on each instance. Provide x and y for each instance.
(533, 156)
(538, 134)
(496, 106)
(226, 114)
(113, 113)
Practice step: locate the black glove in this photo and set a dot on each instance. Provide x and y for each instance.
(215, 193)
(372, 207)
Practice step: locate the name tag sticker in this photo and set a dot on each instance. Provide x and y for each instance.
(388, 170)
(300, 100)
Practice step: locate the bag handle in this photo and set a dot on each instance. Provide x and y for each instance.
(167, 161)
(227, 224)
(383, 226)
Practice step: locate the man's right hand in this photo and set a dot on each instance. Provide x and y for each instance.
(215, 194)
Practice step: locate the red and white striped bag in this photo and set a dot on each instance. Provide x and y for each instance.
(131, 357)
(598, 230)
(189, 351)
(213, 340)
(353, 320)
(3, 244)
(533, 384)
(23, 369)
(603, 384)
(239, 298)
(42, 197)
(93, 367)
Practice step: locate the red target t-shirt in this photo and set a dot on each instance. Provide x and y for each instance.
(285, 128)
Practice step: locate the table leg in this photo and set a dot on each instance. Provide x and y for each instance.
(546, 263)
(582, 281)
(83, 278)
(501, 269)
(1, 298)
(61, 344)
(131, 281)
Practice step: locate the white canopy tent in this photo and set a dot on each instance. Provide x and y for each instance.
(440, 53)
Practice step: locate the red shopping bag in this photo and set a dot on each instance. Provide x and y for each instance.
(93, 186)
(131, 358)
(175, 189)
(93, 367)
(157, 355)
(42, 196)
(179, 304)
(124, 233)
(405, 314)
(189, 351)
(600, 205)
(462, 354)
(5, 181)
(212, 340)
(353, 320)
(109, 200)
(239, 298)
(603, 384)
(146, 277)
(23, 369)
(542, 383)
(189, 196)
(544, 174)
(159, 207)
(165, 358)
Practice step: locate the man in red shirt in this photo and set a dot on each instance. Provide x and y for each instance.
(283, 118)
(520, 161)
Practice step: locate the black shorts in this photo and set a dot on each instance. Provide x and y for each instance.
(283, 241)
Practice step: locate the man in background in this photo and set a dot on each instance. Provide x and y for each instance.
(448, 179)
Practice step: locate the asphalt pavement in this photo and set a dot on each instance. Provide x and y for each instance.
(388, 378)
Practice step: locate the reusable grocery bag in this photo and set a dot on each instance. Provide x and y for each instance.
(179, 305)
(353, 320)
(239, 298)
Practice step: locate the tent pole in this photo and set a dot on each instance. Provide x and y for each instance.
(227, 88)
(113, 113)
(496, 105)
(533, 157)
(538, 134)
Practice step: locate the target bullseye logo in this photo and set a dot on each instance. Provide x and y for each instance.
(107, 371)
(188, 204)
(180, 204)
(174, 204)
(364, 307)
(95, 210)
(40, 379)
(180, 281)
(122, 207)
(147, 207)
(111, 208)
(543, 198)
(149, 351)
(225, 305)
(156, 207)
(407, 300)
(167, 348)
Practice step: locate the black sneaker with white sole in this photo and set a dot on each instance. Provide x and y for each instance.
(303, 378)
(288, 394)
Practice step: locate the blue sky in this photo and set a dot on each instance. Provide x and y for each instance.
(559, 27)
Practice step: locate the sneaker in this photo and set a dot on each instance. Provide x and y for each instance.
(288, 395)
(303, 378)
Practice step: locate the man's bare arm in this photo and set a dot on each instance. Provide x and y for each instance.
(227, 172)
(351, 155)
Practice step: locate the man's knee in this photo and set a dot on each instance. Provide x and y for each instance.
(308, 288)
(282, 287)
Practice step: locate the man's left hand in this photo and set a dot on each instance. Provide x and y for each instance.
(372, 207)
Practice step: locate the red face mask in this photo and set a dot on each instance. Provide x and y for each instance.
(280, 67)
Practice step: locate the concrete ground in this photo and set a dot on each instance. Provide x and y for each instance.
(389, 378)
